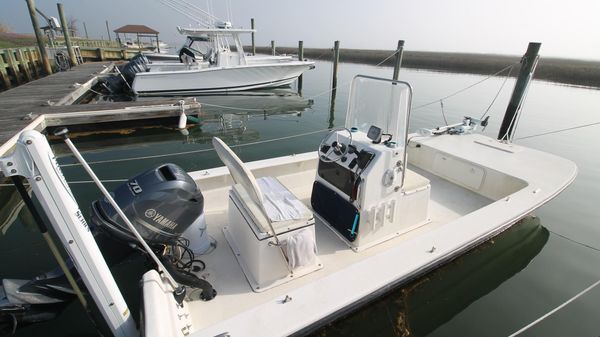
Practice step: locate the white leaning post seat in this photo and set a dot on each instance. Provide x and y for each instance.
(270, 231)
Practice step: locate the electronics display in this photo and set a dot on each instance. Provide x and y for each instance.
(337, 175)
(375, 134)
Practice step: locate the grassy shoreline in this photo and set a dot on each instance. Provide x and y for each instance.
(565, 71)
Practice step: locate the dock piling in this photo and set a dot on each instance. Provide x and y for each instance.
(65, 29)
(253, 44)
(273, 47)
(38, 36)
(300, 58)
(398, 63)
(528, 65)
(336, 60)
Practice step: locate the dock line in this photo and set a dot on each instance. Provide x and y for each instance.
(555, 310)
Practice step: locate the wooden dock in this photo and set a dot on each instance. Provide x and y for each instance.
(46, 102)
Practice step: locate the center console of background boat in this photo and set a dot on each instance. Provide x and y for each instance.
(363, 190)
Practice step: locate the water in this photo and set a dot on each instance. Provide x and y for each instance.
(492, 291)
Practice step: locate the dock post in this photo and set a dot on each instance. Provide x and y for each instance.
(300, 58)
(39, 38)
(528, 65)
(12, 64)
(253, 45)
(24, 62)
(87, 37)
(336, 60)
(100, 54)
(108, 31)
(3, 72)
(65, 29)
(398, 63)
(273, 47)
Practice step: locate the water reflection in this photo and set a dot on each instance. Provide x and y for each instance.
(420, 307)
(225, 115)
(13, 208)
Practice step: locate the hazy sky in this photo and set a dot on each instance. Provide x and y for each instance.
(569, 29)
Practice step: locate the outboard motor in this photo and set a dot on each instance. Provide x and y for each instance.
(167, 209)
(137, 64)
(162, 203)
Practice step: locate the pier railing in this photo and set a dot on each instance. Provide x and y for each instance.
(21, 65)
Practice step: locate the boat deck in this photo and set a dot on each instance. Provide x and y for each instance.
(448, 202)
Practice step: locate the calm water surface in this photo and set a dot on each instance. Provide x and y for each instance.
(493, 291)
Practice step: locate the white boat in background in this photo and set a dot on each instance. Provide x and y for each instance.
(207, 64)
(302, 238)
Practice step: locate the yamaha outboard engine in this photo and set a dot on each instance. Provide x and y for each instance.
(162, 203)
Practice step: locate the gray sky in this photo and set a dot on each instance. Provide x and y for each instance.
(568, 29)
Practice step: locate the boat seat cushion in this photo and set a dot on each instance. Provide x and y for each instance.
(414, 181)
(282, 207)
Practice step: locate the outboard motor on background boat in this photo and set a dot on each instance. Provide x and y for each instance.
(162, 203)
(138, 64)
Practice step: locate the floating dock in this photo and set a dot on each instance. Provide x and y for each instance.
(48, 102)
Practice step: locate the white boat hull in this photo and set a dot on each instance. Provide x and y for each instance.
(466, 209)
(218, 79)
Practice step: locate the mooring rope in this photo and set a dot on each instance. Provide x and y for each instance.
(387, 58)
(195, 151)
(527, 327)
(560, 130)
(467, 87)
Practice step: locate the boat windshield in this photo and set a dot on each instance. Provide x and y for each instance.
(200, 45)
(380, 102)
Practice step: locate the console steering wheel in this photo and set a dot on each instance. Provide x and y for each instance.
(334, 151)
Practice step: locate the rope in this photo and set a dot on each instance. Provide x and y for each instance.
(194, 151)
(575, 241)
(394, 53)
(498, 93)
(443, 114)
(555, 310)
(466, 88)
(557, 131)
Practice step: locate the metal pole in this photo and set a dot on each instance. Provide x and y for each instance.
(44, 230)
(39, 38)
(65, 29)
(253, 45)
(398, 63)
(528, 64)
(108, 31)
(273, 47)
(85, 30)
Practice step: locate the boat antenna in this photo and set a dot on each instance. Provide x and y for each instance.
(199, 15)
(179, 291)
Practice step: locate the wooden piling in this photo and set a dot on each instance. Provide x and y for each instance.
(273, 47)
(12, 64)
(336, 60)
(528, 65)
(4, 73)
(300, 58)
(65, 29)
(253, 45)
(39, 37)
(108, 31)
(23, 62)
(398, 63)
(100, 54)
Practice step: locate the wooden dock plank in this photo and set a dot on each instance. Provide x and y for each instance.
(47, 102)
